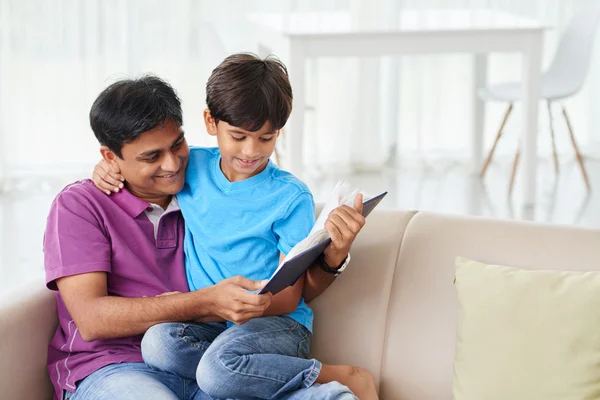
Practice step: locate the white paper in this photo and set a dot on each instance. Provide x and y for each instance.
(342, 194)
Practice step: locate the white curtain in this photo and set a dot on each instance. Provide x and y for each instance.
(57, 55)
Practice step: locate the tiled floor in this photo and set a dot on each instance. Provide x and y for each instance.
(435, 185)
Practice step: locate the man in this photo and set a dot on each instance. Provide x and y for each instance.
(114, 259)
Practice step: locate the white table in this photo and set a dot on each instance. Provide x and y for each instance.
(343, 33)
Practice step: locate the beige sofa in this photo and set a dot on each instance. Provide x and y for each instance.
(392, 311)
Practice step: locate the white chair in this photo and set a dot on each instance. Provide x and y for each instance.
(563, 79)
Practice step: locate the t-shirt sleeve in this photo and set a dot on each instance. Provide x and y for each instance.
(74, 241)
(296, 222)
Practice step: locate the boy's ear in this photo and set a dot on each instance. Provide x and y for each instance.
(211, 124)
(110, 157)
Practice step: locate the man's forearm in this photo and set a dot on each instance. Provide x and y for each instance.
(111, 316)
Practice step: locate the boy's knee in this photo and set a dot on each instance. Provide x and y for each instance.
(215, 374)
(155, 343)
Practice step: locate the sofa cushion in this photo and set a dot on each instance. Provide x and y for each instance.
(526, 335)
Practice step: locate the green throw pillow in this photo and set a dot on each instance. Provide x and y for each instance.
(526, 335)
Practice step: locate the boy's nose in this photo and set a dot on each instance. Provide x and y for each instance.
(250, 150)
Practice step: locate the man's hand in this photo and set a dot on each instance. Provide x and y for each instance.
(106, 179)
(232, 301)
(343, 224)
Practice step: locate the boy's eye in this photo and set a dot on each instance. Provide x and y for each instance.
(266, 139)
(238, 139)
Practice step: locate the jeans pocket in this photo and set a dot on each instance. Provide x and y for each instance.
(304, 346)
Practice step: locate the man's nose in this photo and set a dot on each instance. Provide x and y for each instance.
(171, 163)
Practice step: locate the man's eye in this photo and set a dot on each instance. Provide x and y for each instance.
(151, 159)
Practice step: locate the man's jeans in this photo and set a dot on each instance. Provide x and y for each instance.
(264, 358)
(132, 381)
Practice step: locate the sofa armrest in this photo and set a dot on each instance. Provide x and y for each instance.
(27, 324)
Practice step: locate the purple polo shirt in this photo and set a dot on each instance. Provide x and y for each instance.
(88, 231)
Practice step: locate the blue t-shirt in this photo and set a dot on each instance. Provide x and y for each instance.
(240, 228)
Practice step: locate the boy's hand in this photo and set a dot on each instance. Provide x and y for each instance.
(343, 224)
(106, 179)
(233, 302)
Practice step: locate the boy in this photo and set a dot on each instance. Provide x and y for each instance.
(243, 214)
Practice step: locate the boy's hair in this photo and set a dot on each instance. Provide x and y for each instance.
(246, 91)
(130, 107)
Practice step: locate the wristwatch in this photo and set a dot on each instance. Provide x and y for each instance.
(334, 271)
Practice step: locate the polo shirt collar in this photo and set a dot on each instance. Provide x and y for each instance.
(131, 204)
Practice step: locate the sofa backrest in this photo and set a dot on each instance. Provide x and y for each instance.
(393, 311)
(350, 316)
(27, 324)
(418, 351)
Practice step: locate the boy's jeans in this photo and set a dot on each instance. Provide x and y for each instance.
(264, 358)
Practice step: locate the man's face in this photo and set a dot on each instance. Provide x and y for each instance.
(244, 154)
(154, 164)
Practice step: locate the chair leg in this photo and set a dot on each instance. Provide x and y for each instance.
(513, 173)
(493, 149)
(554, 153)
(576, 148)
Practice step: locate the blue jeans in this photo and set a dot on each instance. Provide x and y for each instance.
(265, 358)
(131, 381)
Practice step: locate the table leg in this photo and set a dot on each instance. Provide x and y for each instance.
(480, 68)
(531, 96)
(294, 149)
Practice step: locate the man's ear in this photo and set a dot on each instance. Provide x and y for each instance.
(111, 158)
(211, 124)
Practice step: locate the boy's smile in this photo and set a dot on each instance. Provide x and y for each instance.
(244, 154)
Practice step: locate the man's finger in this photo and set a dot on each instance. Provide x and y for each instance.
(246, 283)
(255, 299)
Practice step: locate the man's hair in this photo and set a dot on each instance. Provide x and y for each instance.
(130, 107)
(246, 91)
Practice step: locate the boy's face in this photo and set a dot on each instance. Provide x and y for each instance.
(243, 153)
(154, 164)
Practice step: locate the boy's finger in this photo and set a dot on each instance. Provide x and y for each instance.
(101, 184)
(117, 177)
(114, 183)
(334, 231)
(351, 217)
(358, 203)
